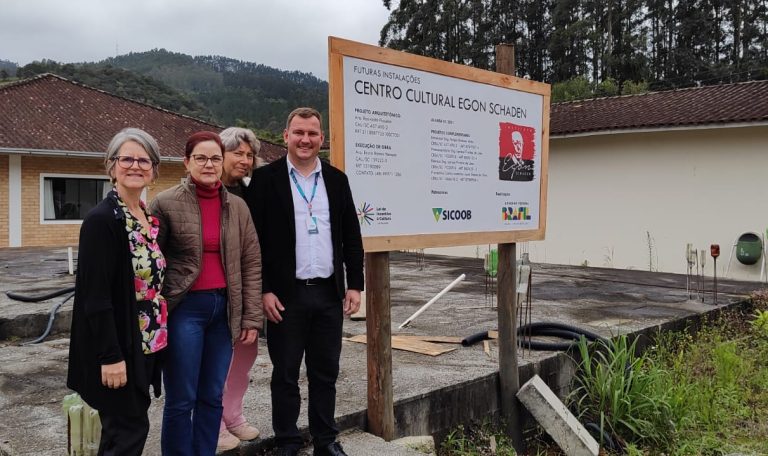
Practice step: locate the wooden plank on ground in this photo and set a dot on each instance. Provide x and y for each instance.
(411, 345)
(438, 339)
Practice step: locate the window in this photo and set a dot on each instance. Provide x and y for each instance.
(71, 197)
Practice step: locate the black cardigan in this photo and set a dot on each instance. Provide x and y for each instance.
(104, 288)
(271, 202)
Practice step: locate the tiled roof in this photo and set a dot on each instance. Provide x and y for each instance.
(270, 152)
(49, 112)
(708, 105)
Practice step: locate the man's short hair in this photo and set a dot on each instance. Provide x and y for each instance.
(304, 113)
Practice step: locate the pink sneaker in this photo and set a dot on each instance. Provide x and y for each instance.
(244, 432)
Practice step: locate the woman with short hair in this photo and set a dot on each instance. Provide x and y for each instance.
(241, 150)
(119, 319)
(213, 287)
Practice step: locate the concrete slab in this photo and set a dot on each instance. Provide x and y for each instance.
(431, 393)
(33, 271)
(360, 443)
(424, 444)
(556, 419)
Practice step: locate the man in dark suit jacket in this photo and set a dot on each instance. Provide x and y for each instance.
(310, 236)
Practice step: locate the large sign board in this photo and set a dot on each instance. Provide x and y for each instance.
(438, 154)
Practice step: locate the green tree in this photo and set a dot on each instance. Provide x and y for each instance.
(535, 60)
(567, 44)
(413, 26)
(660, 17)
(577, 88)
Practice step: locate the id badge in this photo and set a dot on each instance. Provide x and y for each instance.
(312, 225)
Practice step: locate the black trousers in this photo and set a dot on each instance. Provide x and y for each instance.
(125, 435)
(311, 328)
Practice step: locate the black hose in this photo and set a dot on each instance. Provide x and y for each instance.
(25, 298)
(554, 332)
(50, 320)
(606, 439)
(553, 329)
(549, 329)
(474, 338)
(534, 327)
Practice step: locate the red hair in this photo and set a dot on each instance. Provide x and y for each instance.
(202, 136)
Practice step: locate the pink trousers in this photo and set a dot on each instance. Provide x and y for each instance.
(238, 378)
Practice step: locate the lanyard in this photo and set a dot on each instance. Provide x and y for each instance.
(301, 191)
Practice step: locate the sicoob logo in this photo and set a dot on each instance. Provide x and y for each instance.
(451, 214)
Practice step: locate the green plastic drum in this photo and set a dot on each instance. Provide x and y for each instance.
(749, 248)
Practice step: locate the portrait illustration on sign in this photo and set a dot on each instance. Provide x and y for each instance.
(517, 152)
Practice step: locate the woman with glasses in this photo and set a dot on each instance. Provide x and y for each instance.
(119, 316)
(213, 287)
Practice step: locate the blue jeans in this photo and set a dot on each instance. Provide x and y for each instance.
(197, 360)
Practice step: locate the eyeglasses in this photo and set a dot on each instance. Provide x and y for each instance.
(127, 162)
(202, 160)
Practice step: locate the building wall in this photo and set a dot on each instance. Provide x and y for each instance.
(3, 201)
(634, 200)
(36, 234)
(33, 232)
(170, 175)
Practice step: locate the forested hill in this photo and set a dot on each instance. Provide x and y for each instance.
(123, 83)
(214, 88)
(258, 95)
(7, 69)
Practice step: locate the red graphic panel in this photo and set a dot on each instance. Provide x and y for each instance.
(510, 133)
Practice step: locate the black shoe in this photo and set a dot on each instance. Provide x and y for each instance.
(332, 449)
(286, 451)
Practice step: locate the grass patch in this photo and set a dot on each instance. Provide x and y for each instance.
(692, 393)
(484, 438)
(689, 394)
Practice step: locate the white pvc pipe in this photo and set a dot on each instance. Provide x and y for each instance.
(70, 261)
(432, 301)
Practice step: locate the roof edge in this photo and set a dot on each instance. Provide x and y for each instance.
(689, 127)
(681, 89)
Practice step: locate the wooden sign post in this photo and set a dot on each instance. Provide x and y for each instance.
(509, 379)
(378, 323)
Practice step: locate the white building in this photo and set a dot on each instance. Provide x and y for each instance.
(633, 179)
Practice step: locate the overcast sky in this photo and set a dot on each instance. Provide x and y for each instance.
(290, 35)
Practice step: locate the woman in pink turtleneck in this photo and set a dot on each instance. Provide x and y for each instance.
(213, 288)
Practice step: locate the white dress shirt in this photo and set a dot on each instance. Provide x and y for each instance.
(314, 252)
